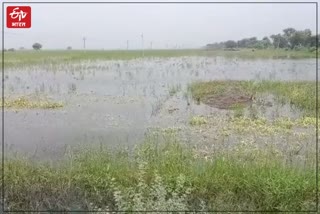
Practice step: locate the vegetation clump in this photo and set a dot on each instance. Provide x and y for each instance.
(262, 126)
(300, 94)
(24, 102)
(198, 121)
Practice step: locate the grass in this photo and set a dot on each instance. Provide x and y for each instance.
(270, 53)
(197, 121)
(238, 109)
(23, 58)
(20, 58)
(24, 102)
(301, 94)
(161, 176)
(263, 127)
(202, 90)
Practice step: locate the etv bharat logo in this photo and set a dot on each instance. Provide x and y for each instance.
(18, 17)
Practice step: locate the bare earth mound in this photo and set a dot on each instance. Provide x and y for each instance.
(228, 99)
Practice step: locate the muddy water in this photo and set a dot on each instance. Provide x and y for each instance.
(115, 102)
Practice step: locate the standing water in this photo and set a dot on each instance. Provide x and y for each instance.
(115, 102)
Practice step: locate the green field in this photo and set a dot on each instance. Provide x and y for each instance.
(23, 58)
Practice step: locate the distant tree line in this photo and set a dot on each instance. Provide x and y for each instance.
(289, 39)
(36, 46)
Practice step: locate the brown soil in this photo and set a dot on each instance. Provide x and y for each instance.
(228, 99)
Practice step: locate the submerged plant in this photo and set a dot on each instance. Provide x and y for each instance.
(174, 89)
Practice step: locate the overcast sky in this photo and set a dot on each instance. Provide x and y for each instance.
(109, 26)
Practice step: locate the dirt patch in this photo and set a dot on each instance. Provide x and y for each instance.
(228, 99)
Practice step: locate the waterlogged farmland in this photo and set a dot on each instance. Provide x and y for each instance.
(116, 101)
(195, 132)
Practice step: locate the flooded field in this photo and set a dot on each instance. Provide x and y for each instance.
(116, 102)
(165, 107)
(213, 126)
